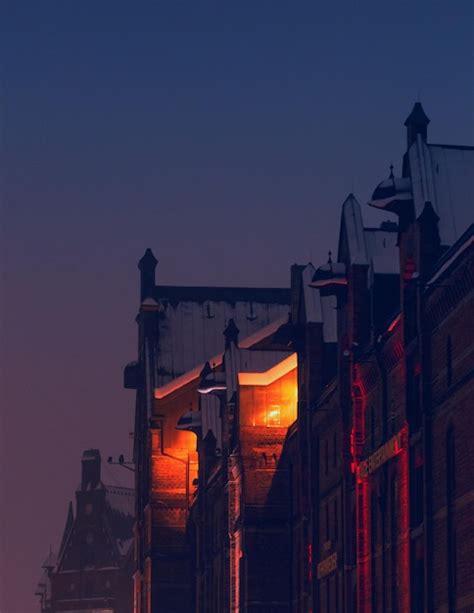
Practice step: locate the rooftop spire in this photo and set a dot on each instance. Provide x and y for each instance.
(147, 266)
(416, 123)
(231, 333)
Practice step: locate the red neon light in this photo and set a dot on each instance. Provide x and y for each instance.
(364, 579)
(394, 323)
(404, 510)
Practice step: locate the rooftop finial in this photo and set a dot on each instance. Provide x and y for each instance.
(391, 171)
(231, 334)
(416, 123)
(147, 265)
(329, 257)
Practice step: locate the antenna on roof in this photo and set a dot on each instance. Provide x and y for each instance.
(391, 171)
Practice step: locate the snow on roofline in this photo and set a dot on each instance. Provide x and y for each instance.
(455, 254)
(263, 333)
(194, 373)
(272, 374)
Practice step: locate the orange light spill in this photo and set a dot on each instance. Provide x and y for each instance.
(271, 375)
(270, 398)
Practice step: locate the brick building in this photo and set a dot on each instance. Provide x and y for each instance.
(179, 329)
(316, 456)
(93, 569)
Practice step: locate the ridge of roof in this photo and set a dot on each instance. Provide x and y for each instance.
(462, 147)
(193, 374)
(279, 295)
(451, 254)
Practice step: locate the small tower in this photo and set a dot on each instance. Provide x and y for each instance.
(147, 266)
(231, 334)
(416, 123)
(90, 469)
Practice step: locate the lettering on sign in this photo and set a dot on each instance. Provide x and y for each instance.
(382, 455)
(328, 565)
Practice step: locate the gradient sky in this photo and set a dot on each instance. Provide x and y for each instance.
(224, 135)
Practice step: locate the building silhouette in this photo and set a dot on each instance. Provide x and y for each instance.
(92, 570)
(308, 449)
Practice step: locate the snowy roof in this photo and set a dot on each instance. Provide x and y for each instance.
(192, 320)
(440, 174)
(216, 360)
(382, 250)
(444, 175)
(450, 257)
(374, 247)
(312, 301)
(353, 228)
(120, 503)
(318, 308)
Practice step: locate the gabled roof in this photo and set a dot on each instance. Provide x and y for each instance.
(352, 233)
(443, 176)
(216, 360)
(120, 504)
(118, 519)
(373, 247)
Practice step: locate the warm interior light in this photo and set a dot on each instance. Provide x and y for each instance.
(270, 398)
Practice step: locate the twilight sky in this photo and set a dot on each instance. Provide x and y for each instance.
(224, 135)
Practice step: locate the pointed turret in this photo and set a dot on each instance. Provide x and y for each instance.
(231, 334)
(416, 123)
(147, 266)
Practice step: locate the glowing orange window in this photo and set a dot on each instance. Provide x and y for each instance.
(273, 415)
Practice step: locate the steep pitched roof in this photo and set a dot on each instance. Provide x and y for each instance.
(352, 233)
(374, 247)
(444, 176)
(120, 503)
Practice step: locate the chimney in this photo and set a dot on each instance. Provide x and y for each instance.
(416, 123)
(147, 266)
(90, 469)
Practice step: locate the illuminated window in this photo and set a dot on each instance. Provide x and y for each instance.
(273, 415)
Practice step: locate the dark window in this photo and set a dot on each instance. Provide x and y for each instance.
(326, 456)
(372, 427)
(327, 521)
(394, 540)
(334, 450)
(449, 361)
(335, 520)
(373, 549)
(450, 498)
(416, 486)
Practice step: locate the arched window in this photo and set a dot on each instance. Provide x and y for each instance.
(451, 525)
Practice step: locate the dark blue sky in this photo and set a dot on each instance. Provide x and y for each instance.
(224, 135)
